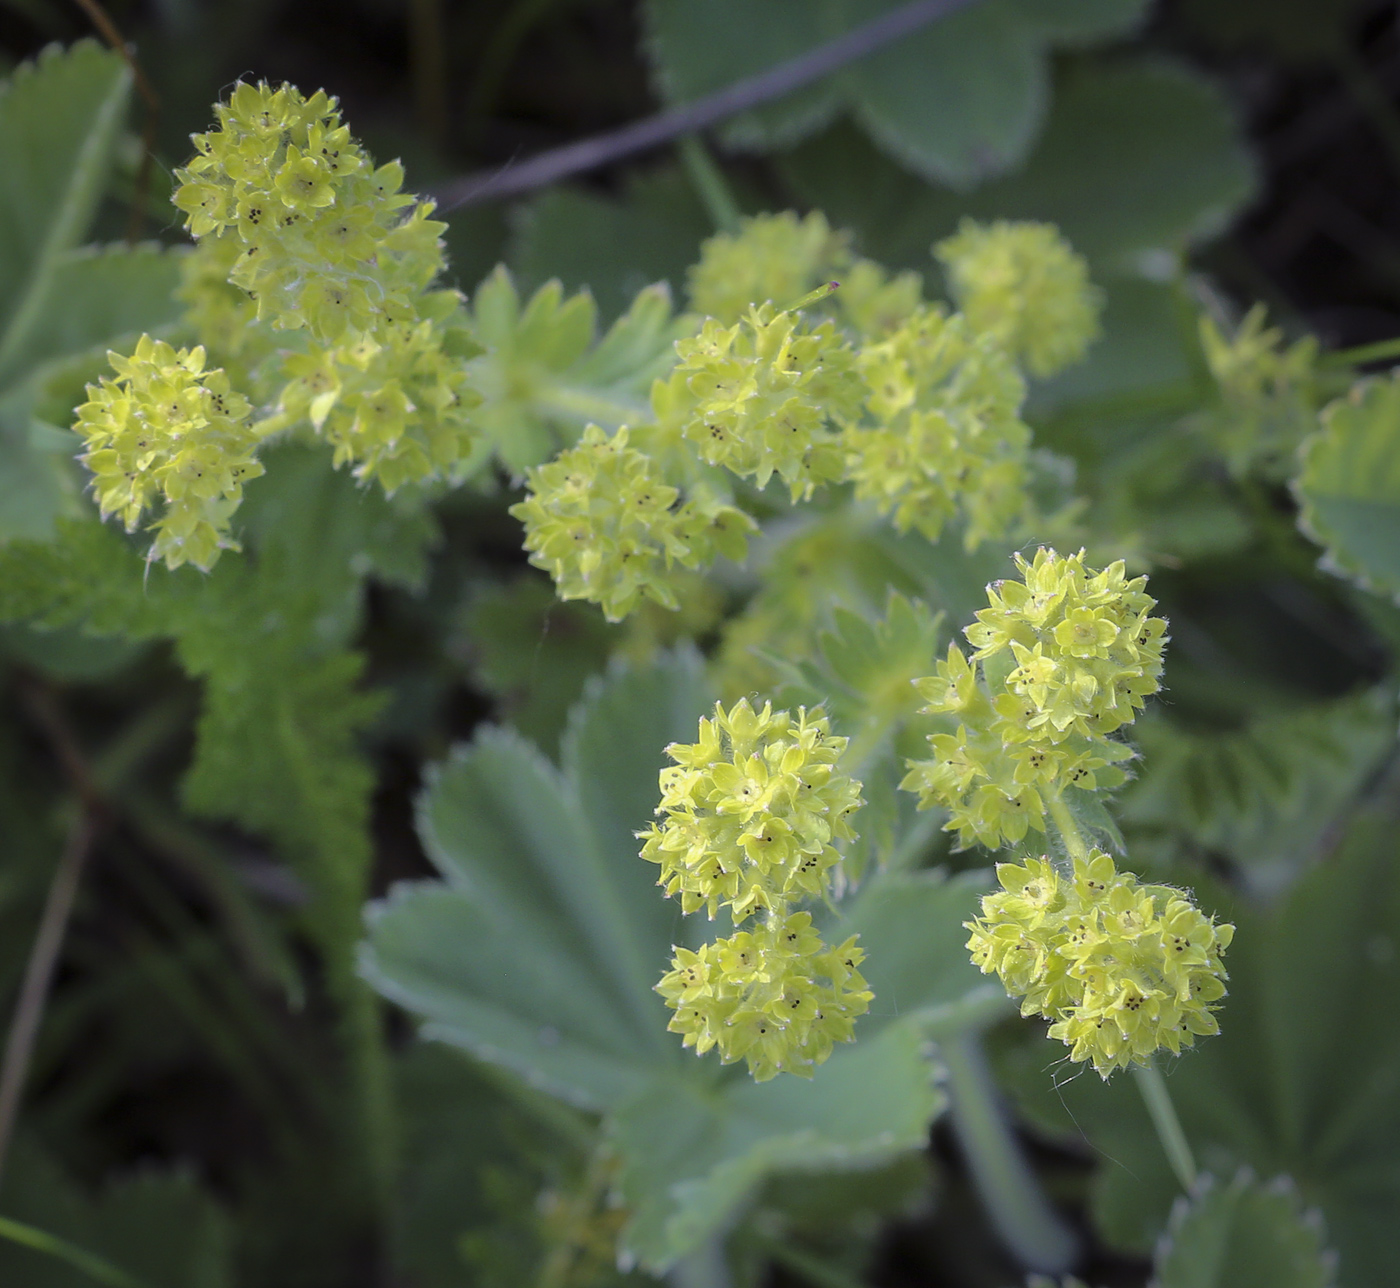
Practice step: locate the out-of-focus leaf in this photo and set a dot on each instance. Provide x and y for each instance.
(957, 101)
(614, 247)
(1301, 1080)
(533, 652)
(1243, 1235)
(59, 120)
(1136, 158)
(695, 49)
(161, 1228)
(1349, 486)
(100, 295)
(919, 969)
(1266, 794)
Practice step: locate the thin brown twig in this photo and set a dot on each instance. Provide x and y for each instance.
(108, 29)
(600, 149)
(58, 905)
(38, 975)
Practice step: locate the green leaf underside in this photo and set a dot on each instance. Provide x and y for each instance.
(1243, 1235)
(540, 949)
(692, 1153)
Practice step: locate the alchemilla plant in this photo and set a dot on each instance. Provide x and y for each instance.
(912, 409)
(854, 626)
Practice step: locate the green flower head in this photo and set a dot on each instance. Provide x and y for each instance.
(1121, 969)
(167, 429)
(320, 231)
(772, 259)
(751, 815)
(1022, 284)
(948, 438)
(759, 398)
(752, 811)
(608, 528)
(1064, 659)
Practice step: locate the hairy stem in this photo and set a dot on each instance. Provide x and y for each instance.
(608, 411)
(1068, 829)
(1014, 1201)
(709, 183)
(1163, 1113)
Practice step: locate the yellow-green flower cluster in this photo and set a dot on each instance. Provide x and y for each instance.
(395, 403)
(324, 243)
(948, 436)
(777, 996)
(1024, 285)
(751, 816)
(759, 398)
(1121, 969)
(320, 240)
(873, 302)
(166, 429)
(224, 318)
(605, 524)
(772, 259)
(1067, 657)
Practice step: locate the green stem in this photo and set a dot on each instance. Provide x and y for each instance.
(709, 183)
(1363, 353)
(1014, 1201)
(584, 405)
(104, 1272)
(1069, 831)
(1163, 1113)
(373, 1088)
